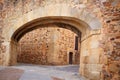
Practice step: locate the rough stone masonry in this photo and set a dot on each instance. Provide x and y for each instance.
(100, 45)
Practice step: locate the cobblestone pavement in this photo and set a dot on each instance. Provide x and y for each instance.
(40, 72)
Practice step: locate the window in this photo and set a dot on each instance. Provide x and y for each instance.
(76, 42)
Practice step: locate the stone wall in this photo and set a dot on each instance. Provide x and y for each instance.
(90, 65)
(108, 12)
(13, 48)
(18, 12)
(48, 44)
(111, 40)
(2, 48)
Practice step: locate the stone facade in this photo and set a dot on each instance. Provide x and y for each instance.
(111, 40)
(98, 60)
(49, 44)
(90, 66)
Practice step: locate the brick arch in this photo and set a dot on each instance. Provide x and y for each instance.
(79, 25)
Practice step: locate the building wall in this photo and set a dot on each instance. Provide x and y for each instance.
(15, 13)
(110, 42)
(90, 65)
(48, 44)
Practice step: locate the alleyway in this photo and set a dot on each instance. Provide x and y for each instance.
(37, 72)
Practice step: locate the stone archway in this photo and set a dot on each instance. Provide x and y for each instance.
(88, 38)
(79, 25)
(89, 42)
(90, 49)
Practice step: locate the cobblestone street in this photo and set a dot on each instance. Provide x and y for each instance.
(40, 72)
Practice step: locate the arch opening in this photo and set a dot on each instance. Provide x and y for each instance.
(49, 44)
(76, 25)
(71, 24)
(74, 22)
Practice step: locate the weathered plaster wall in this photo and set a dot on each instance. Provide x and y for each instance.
(49, 44)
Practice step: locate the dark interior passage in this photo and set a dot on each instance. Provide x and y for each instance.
(70, 58)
